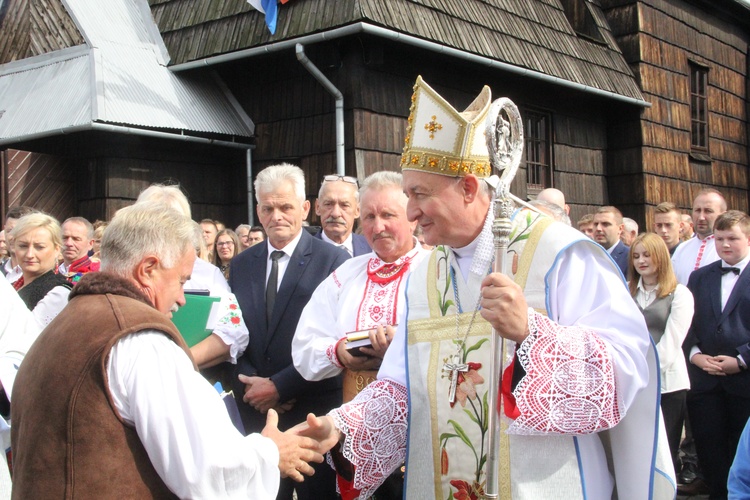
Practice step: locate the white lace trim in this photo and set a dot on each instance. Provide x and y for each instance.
(375, 427)
(569, 386)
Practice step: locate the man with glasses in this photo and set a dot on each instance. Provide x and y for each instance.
(338, 206)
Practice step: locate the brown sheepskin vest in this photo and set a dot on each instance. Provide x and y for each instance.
(68, 440)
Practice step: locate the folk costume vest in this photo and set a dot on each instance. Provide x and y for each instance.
(452, 438)
(68, 440)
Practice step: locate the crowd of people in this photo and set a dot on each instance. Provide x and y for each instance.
(626, 352)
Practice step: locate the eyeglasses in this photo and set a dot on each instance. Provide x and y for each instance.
(345, 178)
(225, 244)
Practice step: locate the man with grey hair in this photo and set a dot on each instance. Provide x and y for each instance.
(364, 294)
(273, 282)
(78, 240)
(230, 336)
(629, 231)
(132, 416)
(338, 207)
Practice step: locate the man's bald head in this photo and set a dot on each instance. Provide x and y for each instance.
(552, 195)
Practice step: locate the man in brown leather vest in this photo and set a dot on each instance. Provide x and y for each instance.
(108, 404)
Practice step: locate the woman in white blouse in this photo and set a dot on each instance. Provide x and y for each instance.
(668, 309)
(37, 240)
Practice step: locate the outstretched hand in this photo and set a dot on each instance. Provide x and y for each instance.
(321, 429)
(295, 450)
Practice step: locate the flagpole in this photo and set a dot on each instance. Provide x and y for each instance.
(504, 134)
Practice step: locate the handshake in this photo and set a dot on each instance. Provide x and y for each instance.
(302, 444)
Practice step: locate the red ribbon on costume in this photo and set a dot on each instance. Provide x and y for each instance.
(509, 401)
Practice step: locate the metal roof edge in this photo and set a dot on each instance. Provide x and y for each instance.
(76, 22)
(34, 62)
(236, 106)
(153, 30)
(106, 127)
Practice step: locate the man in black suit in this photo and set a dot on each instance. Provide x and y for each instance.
(608, 227)
(718, 348)
(338, 207)
(273, 282)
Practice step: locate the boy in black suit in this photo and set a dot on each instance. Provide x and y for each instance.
(718, 348)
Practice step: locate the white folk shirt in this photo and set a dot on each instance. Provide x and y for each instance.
(184, 425)
(688, 256)
(344, 302)
(206, 276)
(18, 330)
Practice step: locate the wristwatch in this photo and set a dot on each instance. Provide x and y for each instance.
(741, 363)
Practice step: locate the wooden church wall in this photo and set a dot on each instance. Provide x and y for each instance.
(660, 39)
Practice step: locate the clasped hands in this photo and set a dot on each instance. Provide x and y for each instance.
(716, 365)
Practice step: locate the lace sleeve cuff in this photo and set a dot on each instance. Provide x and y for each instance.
(374, 425)
(569, 386)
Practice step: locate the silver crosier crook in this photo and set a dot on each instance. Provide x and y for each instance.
(504, 134)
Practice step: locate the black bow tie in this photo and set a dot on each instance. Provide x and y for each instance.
(725, 270)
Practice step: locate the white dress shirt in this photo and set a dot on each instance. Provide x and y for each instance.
(284, 259)
(347, 245)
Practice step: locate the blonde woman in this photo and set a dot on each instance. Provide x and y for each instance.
(668, 309)
(37, 240)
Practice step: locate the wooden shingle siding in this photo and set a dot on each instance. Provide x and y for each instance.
(42, 181)
(660, 38)
(530, 34)
(34, 28)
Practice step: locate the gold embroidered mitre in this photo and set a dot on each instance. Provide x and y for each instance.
(443, 141)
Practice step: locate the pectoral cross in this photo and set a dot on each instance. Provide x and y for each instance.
(454, 366)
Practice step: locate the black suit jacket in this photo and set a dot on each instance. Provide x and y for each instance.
(718, 332)
(359, 243)
(620, 255)
(269, 352)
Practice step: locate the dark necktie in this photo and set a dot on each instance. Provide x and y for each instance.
(273, 280)
(725, 270)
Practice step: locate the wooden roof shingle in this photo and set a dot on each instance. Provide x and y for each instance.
(530, 34)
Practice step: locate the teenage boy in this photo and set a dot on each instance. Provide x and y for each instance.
(718, 348)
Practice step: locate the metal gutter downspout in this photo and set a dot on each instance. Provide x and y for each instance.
(249, 181)
(360, 27)
(336, 93)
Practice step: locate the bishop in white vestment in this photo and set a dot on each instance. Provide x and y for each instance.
(580, 385)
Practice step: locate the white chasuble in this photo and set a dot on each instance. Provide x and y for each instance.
(585, 366)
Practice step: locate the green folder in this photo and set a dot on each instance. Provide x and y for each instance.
(192, 318)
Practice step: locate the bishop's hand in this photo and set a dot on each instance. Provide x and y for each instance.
(504, 307)
(321, 429)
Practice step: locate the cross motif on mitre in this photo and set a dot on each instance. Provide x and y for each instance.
(433, 126)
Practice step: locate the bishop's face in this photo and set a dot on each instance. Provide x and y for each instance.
(436, 203)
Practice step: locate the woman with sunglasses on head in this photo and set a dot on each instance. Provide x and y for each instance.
(667, 307)
(227, 245)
